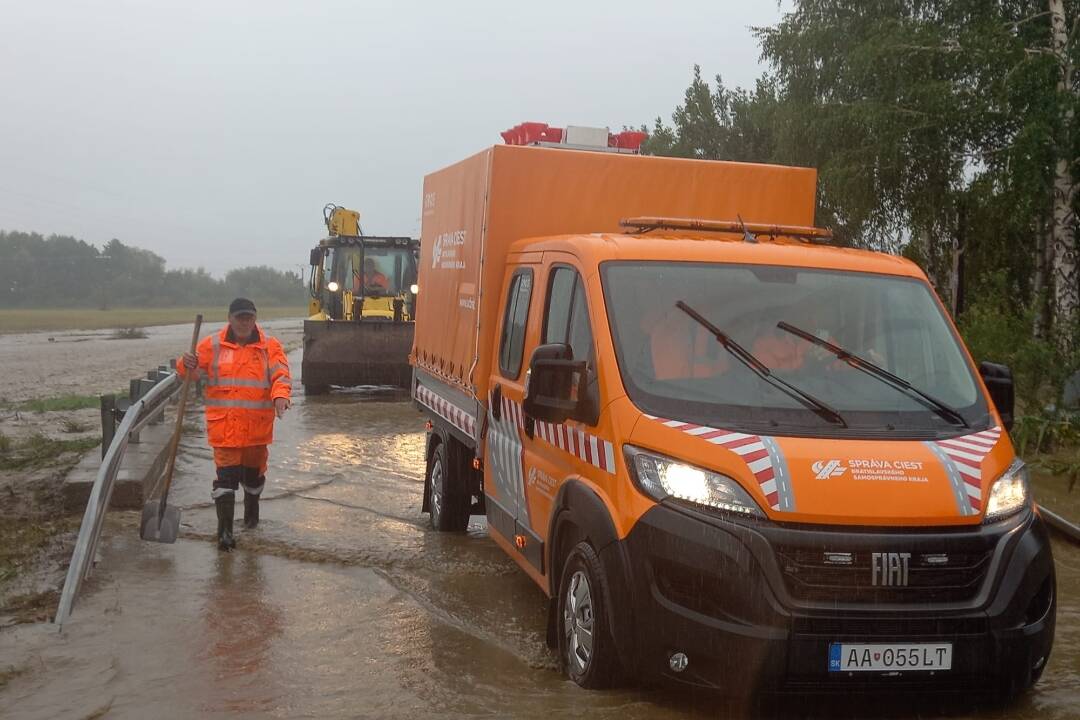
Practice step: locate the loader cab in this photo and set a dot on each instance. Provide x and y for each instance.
(363, 277)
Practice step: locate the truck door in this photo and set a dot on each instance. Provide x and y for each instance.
(507, 509)
(554, 452)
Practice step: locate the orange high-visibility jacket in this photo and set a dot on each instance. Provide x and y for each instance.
(242, 382)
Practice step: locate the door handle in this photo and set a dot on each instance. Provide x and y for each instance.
(496, 402)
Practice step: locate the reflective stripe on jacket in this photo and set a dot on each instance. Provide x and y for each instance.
(242, 382)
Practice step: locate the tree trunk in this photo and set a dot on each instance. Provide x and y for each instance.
(1063, 231)
(1043, 245)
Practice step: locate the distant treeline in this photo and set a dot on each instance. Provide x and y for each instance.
(61, 271)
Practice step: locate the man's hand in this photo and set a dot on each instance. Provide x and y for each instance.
(191, 361)
(281, 405)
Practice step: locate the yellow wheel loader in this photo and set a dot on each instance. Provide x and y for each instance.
(363, 302)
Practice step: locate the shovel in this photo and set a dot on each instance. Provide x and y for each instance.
(161, 521)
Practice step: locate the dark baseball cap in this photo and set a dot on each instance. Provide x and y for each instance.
(241, 305)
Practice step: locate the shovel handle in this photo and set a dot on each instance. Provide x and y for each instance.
(174, 442)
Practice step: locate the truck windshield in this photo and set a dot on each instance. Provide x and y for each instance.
(672, 365)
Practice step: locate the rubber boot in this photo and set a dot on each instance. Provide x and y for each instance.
(251, 510)
(225, 506)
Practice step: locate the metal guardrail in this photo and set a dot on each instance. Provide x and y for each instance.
(142, 412)
(1060, 524)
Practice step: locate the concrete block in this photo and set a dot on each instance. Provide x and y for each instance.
(140, 472)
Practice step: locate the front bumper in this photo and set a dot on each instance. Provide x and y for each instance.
(736, 599)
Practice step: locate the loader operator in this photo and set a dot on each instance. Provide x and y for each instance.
(247, 384)
(374, 279)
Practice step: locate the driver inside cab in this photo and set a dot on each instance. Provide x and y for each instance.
(374, 279)
(371, 280)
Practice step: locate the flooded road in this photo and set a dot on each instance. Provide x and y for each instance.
(342, 603)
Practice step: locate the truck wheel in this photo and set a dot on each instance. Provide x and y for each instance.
(447, 502)
(586, 648)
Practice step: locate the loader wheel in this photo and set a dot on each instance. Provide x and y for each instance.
(446, 499)
(586, 648)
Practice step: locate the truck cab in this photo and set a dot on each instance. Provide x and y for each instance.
(737, 457)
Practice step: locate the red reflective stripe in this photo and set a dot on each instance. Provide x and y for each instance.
(756, 455)
(741, 441)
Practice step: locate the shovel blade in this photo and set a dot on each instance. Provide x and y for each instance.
(158, 527)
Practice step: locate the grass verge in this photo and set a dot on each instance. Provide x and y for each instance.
(58, 403)
(35, 320)
(40, 451)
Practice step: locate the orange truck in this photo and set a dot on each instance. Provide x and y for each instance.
(729, 453)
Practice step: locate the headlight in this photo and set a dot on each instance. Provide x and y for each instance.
(1009, 493)
(332, 286)
(414, 289)
(662, 478)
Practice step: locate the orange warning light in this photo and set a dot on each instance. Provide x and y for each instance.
(519, 541)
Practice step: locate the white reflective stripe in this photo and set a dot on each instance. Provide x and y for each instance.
(953, 452)
(246, 404)
(609, 453)
(768, 487)
(277, 366)
(748, 448)
(239, 382)
(759, 465)
(252, 490)
(974, 491)
(218, 492)
(967, 469)
(959, 444)
(730, 437)
(700, 430)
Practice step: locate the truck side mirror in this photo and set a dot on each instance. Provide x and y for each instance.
(555, 385)
(315, 258)
(999, 382)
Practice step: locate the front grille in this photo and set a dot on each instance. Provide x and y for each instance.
(891, 627)
(815, 575)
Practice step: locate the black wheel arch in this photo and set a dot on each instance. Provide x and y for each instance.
(579, 514)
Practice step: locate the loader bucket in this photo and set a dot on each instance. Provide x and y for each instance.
(370, 352)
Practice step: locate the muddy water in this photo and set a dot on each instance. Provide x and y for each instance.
(343, 604)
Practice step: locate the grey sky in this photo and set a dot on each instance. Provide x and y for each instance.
(214, 132)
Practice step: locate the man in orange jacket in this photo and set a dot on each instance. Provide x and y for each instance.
(247, 385)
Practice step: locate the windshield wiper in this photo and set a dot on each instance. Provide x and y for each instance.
(943, 409)
(762, 370)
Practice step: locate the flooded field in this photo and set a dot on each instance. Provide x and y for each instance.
(342, 603)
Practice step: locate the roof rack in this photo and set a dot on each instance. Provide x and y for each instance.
(806, 233)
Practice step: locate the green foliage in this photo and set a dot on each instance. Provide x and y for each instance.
(933, 125)
(997, 328)
(60, 271)
(60, 402)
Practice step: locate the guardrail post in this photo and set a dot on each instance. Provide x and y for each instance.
(108, 422)
(137, 389)
(156, 376)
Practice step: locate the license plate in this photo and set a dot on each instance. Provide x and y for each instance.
(889, 657)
